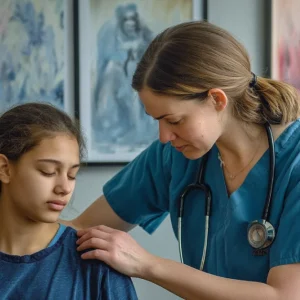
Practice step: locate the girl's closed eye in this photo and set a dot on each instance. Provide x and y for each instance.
(47, 173)
(72, 177)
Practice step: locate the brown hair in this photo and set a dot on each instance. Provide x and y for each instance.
(193, 57)
(24, 126)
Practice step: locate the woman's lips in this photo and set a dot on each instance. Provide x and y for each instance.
(180, 149)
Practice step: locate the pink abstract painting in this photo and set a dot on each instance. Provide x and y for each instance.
(286, 41)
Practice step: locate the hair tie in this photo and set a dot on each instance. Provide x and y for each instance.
(253, 81)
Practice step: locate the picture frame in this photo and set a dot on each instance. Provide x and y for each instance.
(36, 53)
(110, 113)
(285, 41)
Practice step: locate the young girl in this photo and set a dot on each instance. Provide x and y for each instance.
(40, 150)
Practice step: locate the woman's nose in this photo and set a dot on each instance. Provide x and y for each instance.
(165, 133)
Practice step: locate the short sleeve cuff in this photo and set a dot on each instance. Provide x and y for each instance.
(285, 261)
(149, 225)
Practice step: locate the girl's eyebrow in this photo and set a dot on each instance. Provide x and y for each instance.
(56, 162)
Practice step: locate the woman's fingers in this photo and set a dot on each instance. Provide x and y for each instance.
(93, 232)
(96, 254)
(103, 228)
(93, 243)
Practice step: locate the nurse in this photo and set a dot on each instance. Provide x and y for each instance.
(195, 79)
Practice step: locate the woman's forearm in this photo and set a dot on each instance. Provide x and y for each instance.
(190, 283)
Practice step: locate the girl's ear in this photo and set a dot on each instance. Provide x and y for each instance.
(4, 169)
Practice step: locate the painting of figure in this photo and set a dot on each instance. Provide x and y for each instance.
(31, 52)
(286, 41)
(120, 32)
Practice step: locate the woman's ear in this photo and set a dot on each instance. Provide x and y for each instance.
(220, 99)
(4, 169)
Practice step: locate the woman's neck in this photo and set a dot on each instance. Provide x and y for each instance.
(20, 235)
(239, 142)
(241, 148)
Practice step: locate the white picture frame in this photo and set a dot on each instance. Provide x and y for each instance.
(116, 136)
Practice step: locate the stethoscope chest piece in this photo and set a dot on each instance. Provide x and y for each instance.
(261, 234)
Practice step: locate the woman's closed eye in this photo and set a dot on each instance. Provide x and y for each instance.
(173, 122)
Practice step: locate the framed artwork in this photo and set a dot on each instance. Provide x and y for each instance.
(286, 41)
(35, 53)
(112, 36)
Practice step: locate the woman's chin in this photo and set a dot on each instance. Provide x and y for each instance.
(193, 154)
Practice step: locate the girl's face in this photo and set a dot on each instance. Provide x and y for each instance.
(191, 126)
(40, 184)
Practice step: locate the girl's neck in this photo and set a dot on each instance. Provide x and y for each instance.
(22, 236)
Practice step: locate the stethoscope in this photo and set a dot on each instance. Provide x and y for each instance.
(260, 233)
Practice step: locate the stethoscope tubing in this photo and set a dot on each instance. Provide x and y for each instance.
(208, 203)
(266, 211)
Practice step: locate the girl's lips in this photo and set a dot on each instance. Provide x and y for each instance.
(56, 205)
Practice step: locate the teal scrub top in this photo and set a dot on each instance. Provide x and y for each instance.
(149, 187)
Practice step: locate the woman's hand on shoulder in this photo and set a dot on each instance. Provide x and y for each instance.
(116, 248)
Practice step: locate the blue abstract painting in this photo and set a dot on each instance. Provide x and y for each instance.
(31, 52)
(117, 34)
